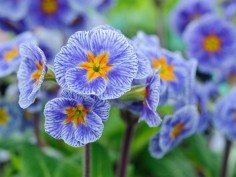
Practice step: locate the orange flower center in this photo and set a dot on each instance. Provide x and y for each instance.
(176, 131)
(11, 54)
(37, 73)
(4, 117)
(166, 71)
(49, 6)
(96, 66)
(76, 115)
(212, 43)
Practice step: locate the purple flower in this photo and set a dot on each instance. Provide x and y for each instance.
(225, 115)
(31, 73)
(151, 100)
(9, 53)
(187, 11)
(98, 62)
(178, 126)
(211, 45)
(49, 13)
(77, 119)
(14, 9)
(154, 147)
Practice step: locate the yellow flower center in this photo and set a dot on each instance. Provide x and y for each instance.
(11, 54)
(166, 71)
(176, 131)
(4, 117)
(96, 66)
(37, 73)
(212, 43)
(76, 115)
(49, 6)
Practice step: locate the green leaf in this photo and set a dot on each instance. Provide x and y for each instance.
(173, 164)
(204, 159)
(35, 163)
(101, 165)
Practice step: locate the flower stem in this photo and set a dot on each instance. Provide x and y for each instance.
(36, 122)
(87, 161)
(124, 157)
(224, 164)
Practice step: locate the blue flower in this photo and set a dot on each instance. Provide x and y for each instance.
(49, 13)
(9, 53)
(14, 9)
(75, 118)
(31, 73)
(10, 118)
(178, 126)
(174, 129)
(187, 11)
(150, 103)
(225, 115)
(98, 62)
(211, 45)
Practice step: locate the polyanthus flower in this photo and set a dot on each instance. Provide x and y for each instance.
(10, 118)
(225, 115)
(49, 13)
(211, 45)
(31, 73)
(9, 53)
(174, 73)
(174, 129)
(151, 101)
(77, 119)
(98, 62)
(187, 11)
(14, 9)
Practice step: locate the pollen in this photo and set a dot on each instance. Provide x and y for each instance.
(4, 117)
(177, 129)
(212, 43)
(38, 72)
(77, 115)
(167, 71)
(11, 54)
(49, 6)
(96, 66)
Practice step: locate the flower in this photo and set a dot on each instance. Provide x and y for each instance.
(175, 73)
(187, 11)
(49, 13)
(9, 53)
(13, 9)
(225, 115)
(77, 119)
(98, 62)
(151, 101)
(211, 45)
(10, 118)
(31, 73)
(174, 129)
(229, 9)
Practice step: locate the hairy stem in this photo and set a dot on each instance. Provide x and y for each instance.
(39, 140)
(224, 164)
(124, 157)
(87, 161)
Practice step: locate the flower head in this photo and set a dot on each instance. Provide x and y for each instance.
(75, 118)
(177, 127)
(49, 13)
(98, 62)
(9, 53)
(10, 118)
(187, 11)
(225, 115)
(211, 45)
(31, 73)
